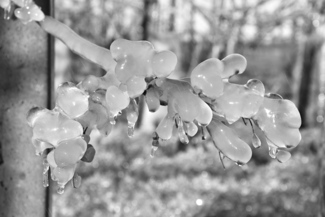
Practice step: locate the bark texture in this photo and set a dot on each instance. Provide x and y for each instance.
(25, 82)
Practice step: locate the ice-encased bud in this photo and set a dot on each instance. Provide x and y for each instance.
(229, 143)
(135, 86)
(207, 77)
(163, 63)
(134, 58)
(30, 12)
(116, 99)
(152, 99)
(71, 100)
(239, 100)
(69, 152)
(53, 127)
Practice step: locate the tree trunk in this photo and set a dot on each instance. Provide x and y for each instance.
(307, 85)
(26, 81)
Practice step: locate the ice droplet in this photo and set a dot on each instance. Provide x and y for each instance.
(273, 151)
(60, 189)
(256, 141)
(154, 147)
(153, 151)
(283, 156)
(204, 133)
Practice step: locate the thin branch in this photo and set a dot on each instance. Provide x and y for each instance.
(79, 45)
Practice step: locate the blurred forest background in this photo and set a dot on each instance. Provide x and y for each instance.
(283, 42)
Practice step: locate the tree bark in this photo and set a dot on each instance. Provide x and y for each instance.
(309, 71)
(26, 81)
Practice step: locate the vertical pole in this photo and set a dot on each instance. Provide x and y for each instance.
(25, 81)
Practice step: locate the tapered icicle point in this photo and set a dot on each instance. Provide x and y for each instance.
(154, 147)
(256, 142)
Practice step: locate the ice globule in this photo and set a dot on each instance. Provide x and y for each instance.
(206, 77)
(117, 100)
(163, 63)
(53, 127)
(72, 100)
(229, 143)
(181, 99)
(239, 101)
(5, 3)
(29, 12)
(69, 152)
(152, 99)
(280, 121)
(165, 128)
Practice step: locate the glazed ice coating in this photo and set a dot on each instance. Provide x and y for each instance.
(280, 120)
(205, 103)
(71, 100)
(79, 45)
(239, 101)
(53, 127)
(206, 77)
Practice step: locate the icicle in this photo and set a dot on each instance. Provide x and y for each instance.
(154, 145)
(256, 141)
(180, 130)
(132, 116)
(46, 168)
(153, 151)
(60, 189)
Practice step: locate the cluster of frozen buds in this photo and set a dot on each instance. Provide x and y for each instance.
(206, 102)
